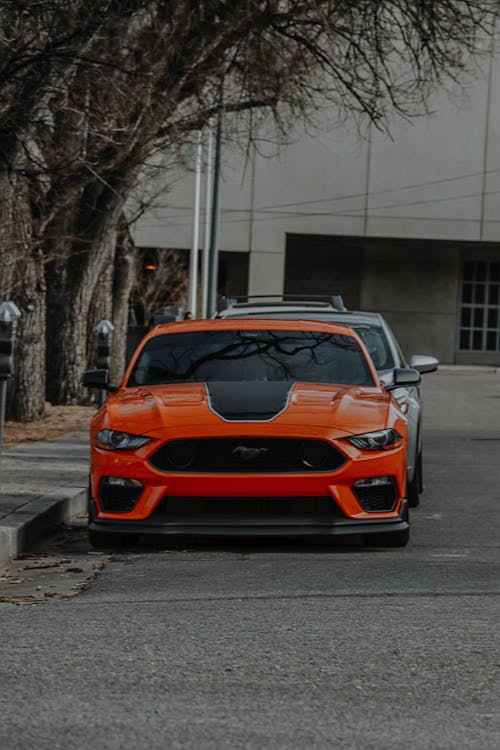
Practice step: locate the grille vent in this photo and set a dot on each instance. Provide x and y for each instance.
(247, 456)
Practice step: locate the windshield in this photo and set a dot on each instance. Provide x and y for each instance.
(372, 336)
(251, 355)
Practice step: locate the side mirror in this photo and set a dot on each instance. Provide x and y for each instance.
(422, 363)
(98, 379)
(404, 378)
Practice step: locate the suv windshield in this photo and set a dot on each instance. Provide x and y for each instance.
(251, 355)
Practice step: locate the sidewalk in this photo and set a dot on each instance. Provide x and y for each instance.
(41, 484)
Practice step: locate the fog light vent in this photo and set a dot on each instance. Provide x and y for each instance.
(119, 494)
(376, 494)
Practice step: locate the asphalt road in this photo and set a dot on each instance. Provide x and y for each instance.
(279, 645)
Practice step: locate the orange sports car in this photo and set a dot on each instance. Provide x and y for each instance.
(249, 427)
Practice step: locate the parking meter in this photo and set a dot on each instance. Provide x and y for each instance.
(9, 315)
(104, 331)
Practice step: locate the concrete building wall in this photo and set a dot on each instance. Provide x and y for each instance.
(431, 177)
(434, 179)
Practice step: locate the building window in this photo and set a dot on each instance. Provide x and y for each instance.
(480, 307)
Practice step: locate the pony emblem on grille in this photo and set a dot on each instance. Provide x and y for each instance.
(246, 454)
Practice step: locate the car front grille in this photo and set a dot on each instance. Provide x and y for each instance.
(214, 509)
(247, 455)
(377, 499)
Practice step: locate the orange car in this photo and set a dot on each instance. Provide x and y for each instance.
(249, 427)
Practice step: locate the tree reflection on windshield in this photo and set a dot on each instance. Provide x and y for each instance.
(251, 355)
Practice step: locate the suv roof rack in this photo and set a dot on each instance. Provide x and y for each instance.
(313, 300)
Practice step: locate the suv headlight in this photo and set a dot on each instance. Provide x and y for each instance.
(114, 440)
(375, 441)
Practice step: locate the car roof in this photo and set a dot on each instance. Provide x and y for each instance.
(246, 323)
(349, 316)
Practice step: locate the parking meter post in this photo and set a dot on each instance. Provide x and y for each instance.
(3, 402)
(104, 330)
(9, 315)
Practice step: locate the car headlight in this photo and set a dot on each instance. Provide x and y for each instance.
(114, 440)
(375, 441)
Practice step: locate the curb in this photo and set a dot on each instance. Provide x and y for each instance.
(24, 526)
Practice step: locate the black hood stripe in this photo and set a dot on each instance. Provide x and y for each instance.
(248, 401)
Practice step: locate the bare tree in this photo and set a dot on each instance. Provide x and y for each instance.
(40, 46)
(143, 79)
(162, 281)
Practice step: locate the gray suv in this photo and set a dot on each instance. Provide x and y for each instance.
(382, 346)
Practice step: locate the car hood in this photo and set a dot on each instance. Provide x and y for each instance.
(349, 409)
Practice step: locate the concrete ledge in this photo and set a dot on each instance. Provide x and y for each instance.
(461, 369)
(24, 526)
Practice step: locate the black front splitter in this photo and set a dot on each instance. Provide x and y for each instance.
(249, 529)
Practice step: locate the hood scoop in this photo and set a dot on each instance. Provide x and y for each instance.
(314, 396)
(183, 394)
(248, 401)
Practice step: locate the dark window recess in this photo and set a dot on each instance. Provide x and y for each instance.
(491, 341)
(479, 294)
(247, 456)
(468, 270)
(481, 270)
(116, 499)
(480, 305)
(477, 340)
(334, 264)
(232, 279)
(375, 499)
(464, 339)
(467, 293)
(478, 317)
(215, 509)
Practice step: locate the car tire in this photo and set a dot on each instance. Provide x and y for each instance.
(108, 540)
(420, 466)
(414, 488)
(412, 494)
(397, 539)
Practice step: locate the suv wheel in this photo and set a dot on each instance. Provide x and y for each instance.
(414, 488)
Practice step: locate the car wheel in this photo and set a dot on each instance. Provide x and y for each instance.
(420, 467)
(398, 539)
(412, 494)
(107, 540)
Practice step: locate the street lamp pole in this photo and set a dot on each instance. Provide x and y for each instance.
(193, 259)
(214, 228)
(205, 265)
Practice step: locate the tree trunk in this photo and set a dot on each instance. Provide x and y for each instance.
(22, 281)
(68, 321)
(27, 388)
(8, 254)
(88, 260)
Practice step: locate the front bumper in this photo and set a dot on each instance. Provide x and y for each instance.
(340, 527)
(345, 517)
